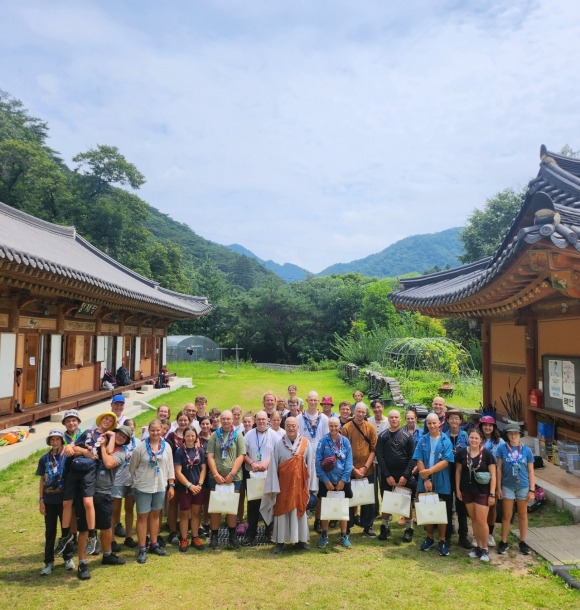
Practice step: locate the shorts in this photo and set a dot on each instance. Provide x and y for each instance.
(481, 499)
(103, 512)
(514, 494)
(211, 484)
(187, 499)
(322, 491)
(80, 483)
(146, 502)
(121, 491)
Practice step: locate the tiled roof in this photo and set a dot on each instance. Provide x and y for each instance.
(556, 187)
(37, 244)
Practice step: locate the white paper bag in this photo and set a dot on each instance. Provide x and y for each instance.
(334, 509)
(431, 514)
(220, 502)
(396, 504)
(362, 494)
(255, 488)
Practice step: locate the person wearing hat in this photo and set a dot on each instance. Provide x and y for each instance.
(327, 404)
(515, 482)
(50, 469)
(71, 421)
(459, 440)
(117, 406)
(82, 478)
(111, 458)
(492, 441)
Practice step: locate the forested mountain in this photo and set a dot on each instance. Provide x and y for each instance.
(288, 272)
(417, 253)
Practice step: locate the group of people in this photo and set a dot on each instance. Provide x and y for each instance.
(303, 453)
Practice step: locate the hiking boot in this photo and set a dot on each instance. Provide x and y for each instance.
(317, 526)
(173, 539)
(234, 541)
(345, 541)
(157, 550)
(502, 548)
(524, 548)
(83, 572)
(213, 543)
(278, 548)
(427, 544)
(183, 546)
(302, 546)
(484, 556)
(197, 544)
(91, 546)
(47, 569)
(112, 560)
(120, 531)
(368, 532)
(129, 542)
(490, 540)
(142, 556)
(385, 532)
(62, 543)
(443, 548)
(249, 541)
(115, 547)
(408, 535)
(69, 564)
(475, 553)
(322, 541)
(465, 543)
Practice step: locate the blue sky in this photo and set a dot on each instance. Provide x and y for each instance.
(309, 132)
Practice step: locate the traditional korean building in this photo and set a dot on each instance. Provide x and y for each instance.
(525, 298)
(68, 312)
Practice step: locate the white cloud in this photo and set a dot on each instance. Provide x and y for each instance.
(311, 133)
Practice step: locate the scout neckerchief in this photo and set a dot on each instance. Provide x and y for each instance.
(155, 455)
(337, 447)
(54, 468)
(191, 461)
(226, 443)
(311, 425)
(293, 447)
(68, 439)
(129, 448)
(470, 461)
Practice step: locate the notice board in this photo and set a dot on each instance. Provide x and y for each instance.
(561, 376)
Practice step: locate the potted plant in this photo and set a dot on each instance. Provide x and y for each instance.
(513, 404)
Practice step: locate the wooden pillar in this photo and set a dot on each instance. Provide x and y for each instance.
(486, 362)
(531, 382)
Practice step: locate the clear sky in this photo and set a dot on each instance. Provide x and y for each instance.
(311, 132)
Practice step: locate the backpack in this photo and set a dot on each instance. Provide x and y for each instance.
(122, 376)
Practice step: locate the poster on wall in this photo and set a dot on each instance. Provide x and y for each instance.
(555, 368)
(568, 380)
(569, 403)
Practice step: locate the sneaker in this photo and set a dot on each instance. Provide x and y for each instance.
(427, 544)
(317, 526)
(69, 564)
(91, 546)
(464, 542)
(142, 556)
(115, 547)
(278, 548)
(249, 541)
(129, 542)
(302, 546)
(161, 542)
(98, 548)
(385, 532)
(157, 550)
(197, 544)
(47, 569)
(502, 548)
(173, 539)
(322, 541)
(183, 546)
(475, 553)
(408, 535)
(524, 548)
(112, 560)
(490, 540)
(62, 543)
(443, 548)
(120, 531)
(234, 541)
(474, 542)
(345, 541)
(368, 532)
(83, 571)
(201, 533)
(484, 555)
(213, 543)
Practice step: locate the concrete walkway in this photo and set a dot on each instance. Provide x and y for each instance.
(136, 402)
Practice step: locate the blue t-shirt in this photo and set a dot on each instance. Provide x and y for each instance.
(51, 469)
(514, 466)
(494, 448)
(443, 452)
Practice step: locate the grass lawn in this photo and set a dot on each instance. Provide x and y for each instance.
(371, 574)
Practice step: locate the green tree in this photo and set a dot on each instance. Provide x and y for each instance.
(486, 228)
